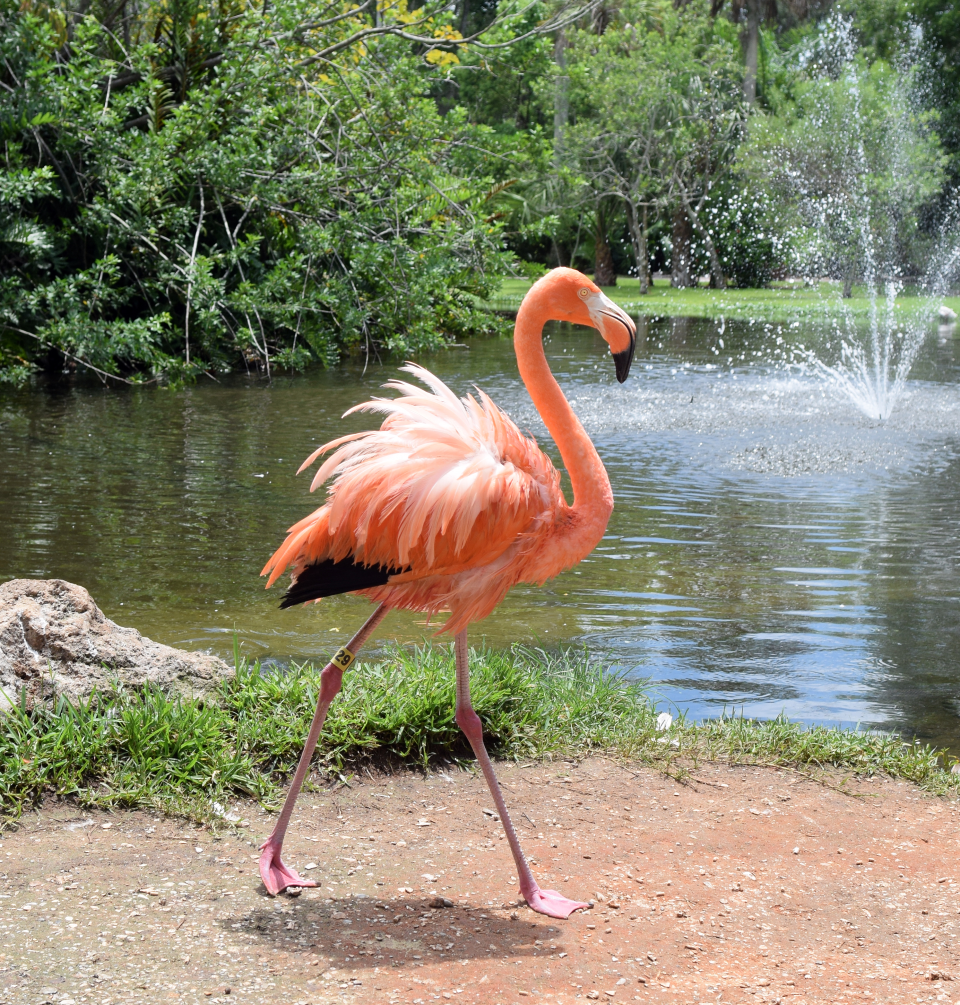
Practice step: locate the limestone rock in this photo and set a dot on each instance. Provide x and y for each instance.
(55, 640)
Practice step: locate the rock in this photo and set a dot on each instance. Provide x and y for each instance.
(55, 640)
(441, 902)
(947, 314)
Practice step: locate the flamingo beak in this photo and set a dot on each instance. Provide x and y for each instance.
(623, 359)
(618, 330)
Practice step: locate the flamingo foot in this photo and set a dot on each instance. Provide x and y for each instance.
(275, 875)
(553, 904)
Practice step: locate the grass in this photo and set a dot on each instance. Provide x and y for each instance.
(787, 302)
(144, 748)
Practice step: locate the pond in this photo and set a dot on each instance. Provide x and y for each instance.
(772, 550)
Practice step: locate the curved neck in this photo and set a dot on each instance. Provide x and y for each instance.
(591, 486)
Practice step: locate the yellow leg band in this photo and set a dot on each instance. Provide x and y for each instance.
(343, 658)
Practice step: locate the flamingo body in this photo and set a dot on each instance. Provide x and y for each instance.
(449, 496)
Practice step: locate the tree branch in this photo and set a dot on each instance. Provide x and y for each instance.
(76, 359)
(552, 24)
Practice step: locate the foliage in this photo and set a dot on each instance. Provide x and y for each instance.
(659, 113)
(184, 756)
(219, 193)
(849, 165)
(500, 88)
(658, 118)
(939, 57)
(743, 216)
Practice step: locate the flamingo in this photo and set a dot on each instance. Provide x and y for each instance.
(445, 507)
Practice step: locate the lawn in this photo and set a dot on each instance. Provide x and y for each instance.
(783, 303)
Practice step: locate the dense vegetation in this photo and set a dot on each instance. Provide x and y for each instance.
(189, 187)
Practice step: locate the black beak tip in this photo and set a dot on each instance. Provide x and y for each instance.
(622, 361)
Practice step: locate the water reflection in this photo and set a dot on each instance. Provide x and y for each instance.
(771, 548)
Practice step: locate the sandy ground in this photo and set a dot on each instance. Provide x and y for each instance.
(744, 885)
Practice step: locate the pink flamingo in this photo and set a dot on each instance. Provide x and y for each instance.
(446, 507)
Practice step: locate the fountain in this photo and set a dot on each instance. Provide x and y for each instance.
(872, 372)
(859, 168)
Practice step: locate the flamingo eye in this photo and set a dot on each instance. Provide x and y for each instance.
(584, 293)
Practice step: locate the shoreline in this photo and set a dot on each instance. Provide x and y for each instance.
(182, 755)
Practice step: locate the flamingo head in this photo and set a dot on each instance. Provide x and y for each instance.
(575, 298)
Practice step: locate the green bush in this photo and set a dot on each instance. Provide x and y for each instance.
(213, 193)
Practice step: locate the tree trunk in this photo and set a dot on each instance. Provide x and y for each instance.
(644, 254)
(680, 256)
(558, 254)
(717, 279)
(561, 97)
(638, 238)
(751, 47)
(848, 284)
(604, 273)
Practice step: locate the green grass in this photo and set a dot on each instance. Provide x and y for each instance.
(782, 304)
(182, 755)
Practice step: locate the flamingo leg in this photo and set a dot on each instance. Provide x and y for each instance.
(275, 875)
(548, 902)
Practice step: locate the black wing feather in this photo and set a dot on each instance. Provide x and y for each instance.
(328, 578)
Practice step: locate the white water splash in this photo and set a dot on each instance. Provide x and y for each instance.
(872, 372)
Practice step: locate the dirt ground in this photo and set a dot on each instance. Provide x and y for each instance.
(743, 885)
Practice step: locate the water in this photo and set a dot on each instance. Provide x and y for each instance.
(772, 549)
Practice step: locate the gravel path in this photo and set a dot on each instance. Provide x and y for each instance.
(743, 884)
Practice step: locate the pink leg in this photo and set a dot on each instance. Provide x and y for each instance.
(547, 902)
(275, 875)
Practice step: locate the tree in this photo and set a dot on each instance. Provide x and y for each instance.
(940, 61)
(659, 115)
(710, 120)
(752, 14)
(849, 164)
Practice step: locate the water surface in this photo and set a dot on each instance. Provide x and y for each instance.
(771, 549)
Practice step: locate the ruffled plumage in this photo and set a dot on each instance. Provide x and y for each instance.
(447, 489)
